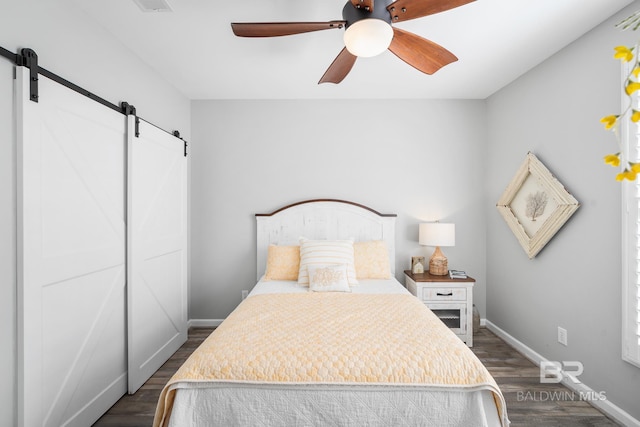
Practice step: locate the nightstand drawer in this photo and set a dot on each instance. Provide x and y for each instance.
(444, 294)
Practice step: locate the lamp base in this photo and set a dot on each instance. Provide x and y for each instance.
(438, 264)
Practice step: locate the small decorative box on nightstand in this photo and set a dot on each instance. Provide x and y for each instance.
(450, 299)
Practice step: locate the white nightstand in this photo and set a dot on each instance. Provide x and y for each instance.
(450, 299)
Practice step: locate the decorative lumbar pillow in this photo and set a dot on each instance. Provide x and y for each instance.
(330, 278)
(283, 263)
(371, 260)
(323, 253)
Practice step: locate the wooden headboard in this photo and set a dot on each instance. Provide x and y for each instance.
(323, 219)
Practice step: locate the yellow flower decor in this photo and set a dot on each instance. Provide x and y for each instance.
(612, 159)
(612, 122)
(631, 85)
(629, 173)
(624, 53)
(609, 121)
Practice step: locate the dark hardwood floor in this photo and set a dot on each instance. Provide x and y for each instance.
(137, 410)
(529, 403)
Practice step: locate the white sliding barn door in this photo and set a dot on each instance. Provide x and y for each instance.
(71, 256)
(157, 249)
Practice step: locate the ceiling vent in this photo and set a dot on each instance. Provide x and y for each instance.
(153, 5)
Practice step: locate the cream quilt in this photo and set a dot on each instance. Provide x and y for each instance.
(332, 338)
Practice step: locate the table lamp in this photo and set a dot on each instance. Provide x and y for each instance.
(437, 234)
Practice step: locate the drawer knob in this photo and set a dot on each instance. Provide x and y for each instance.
(444, 295)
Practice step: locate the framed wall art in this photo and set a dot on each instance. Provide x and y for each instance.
(535, 205)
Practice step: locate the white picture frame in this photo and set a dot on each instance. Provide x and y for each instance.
(535, 205)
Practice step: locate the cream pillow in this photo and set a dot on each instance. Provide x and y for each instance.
(283, 263)
(371, 260)
(323, 253)
(330, 278)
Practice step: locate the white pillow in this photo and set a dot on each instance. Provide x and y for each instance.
(323, 253)
(330, 278)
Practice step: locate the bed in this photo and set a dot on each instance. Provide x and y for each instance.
(343, 343)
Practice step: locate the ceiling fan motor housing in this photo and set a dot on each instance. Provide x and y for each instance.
(353, 15)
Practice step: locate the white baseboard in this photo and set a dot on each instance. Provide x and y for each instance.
(605, 406)
(204, 323)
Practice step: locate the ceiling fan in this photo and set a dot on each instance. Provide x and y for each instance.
(368, 32)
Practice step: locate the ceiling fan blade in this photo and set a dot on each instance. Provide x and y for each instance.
(363, 4)
(422, 54)
(339, 68)
(273, 29)
(403, 10)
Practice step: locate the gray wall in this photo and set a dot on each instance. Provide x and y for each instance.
(423, 160)
(69, 45)
(554, 111)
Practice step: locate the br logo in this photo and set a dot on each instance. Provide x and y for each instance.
(554, 372)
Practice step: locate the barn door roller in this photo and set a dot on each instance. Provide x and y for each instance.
(130, 110)
(28, 58)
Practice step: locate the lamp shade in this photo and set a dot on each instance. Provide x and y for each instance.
(368, 37)
(437, 234)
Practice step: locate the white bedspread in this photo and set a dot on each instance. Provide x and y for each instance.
(348, 406)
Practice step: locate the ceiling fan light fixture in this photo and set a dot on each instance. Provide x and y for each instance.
(368, 37)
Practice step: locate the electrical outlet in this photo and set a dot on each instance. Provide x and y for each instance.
(245, 293)
(562, 335)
